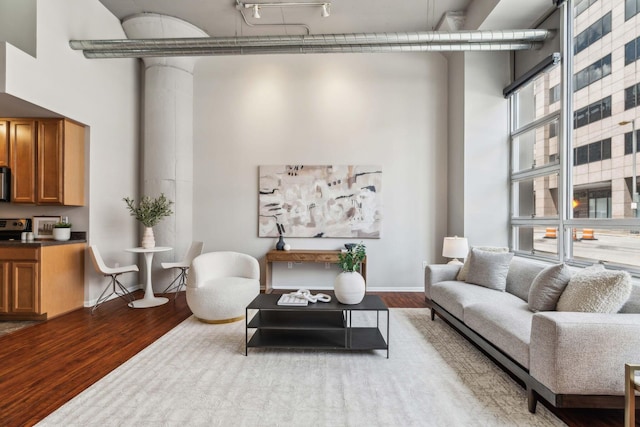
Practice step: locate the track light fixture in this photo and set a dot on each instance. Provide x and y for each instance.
(325, 6)
(326, 10)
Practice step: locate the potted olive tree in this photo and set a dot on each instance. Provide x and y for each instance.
(349, 286)
(149, 212)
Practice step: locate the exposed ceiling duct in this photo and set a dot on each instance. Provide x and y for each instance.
(320, 43)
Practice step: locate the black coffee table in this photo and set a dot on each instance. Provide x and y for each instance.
(318, 326)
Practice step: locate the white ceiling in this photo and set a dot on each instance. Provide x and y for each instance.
(220, 17)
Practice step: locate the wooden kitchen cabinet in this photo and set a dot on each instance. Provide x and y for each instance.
(60, 163)
(46, 161)
(4, 143)
(41, 282)
(22, 149)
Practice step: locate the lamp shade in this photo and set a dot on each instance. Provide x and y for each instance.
(455, 247)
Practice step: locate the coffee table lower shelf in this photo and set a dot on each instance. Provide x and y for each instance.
(352, 339)
(326, 326)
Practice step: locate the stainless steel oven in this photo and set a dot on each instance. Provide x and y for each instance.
(12, 228)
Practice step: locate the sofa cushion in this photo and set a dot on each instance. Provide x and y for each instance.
(462, 274)
(522, 271)
(489, 269)
(633, 303)
(506, 325)
(603, 291)
(547, 287)
(454, 296)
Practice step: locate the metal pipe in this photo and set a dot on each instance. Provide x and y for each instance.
(204, 51)
(317, 43)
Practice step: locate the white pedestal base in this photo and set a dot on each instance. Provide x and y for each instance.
(148, 302)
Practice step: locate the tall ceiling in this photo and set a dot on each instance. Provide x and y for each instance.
(221, 18)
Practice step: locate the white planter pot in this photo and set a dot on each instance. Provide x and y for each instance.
(148, 241)
(349, 287)
(61, 234)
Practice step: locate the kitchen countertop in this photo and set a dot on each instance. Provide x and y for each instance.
(39, 243)
(76, 237)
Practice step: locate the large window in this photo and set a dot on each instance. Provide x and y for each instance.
(574, 169)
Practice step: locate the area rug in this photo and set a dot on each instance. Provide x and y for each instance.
(197, 375)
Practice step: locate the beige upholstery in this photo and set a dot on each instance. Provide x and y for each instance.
(221, 284)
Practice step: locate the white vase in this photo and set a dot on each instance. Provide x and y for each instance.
(148, 241)
(349, 287)
(61, 234)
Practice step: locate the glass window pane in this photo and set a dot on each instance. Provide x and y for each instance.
(606, 107)
(606, 149)
(629, 9)
(582, 155)
(535, 148)
(595, 112)
(614, 246)
(606, 65)
(541, 241)
(630, 52)
(595, 152)
(536, 197)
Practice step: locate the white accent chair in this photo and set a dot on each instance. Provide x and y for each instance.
(180, 280)
(116, 287)
(220, 285)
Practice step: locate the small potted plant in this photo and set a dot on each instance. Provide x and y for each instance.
(62, 230)
(349, 286)
(149, 212)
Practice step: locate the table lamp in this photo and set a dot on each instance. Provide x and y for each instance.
(455, 247)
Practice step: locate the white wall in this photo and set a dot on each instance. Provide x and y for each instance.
(382, 109)
(18, 24)
(102, 94)
(478, 148)
(486, 148)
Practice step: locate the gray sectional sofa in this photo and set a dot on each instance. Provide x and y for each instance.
(570, 359)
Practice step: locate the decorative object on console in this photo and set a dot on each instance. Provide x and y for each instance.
(320, 201)
(43, 226)
(455, 247)
(280, 245)
(349, 285)
(62, 230)
(149, 212)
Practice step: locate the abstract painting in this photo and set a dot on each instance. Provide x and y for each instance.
(320, 201)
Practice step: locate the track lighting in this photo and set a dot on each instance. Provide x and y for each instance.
(325, 6)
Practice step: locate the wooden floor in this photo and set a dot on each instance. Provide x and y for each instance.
(45, 365)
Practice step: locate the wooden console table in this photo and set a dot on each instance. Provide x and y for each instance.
(303, 255)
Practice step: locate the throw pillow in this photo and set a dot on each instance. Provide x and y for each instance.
(462, 274)
(489, 269)
(602, 291)
(547, 287)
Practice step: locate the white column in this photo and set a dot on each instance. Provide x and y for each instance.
(167, 143)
